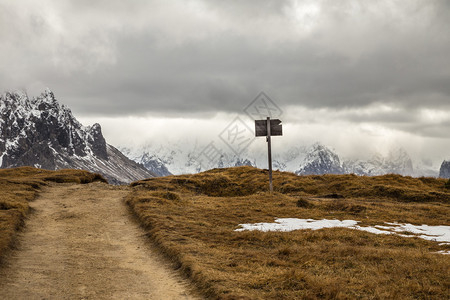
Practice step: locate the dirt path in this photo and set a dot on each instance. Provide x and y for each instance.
(81, 243)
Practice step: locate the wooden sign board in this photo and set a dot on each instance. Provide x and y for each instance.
(276, 128)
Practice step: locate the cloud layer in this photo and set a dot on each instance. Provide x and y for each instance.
(383, 63)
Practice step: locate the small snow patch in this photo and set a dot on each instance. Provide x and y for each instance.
(290, 224)
(432, 233)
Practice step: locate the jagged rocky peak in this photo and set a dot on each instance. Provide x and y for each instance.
(444, 171)
(154, 164)
(399, 162)
(320, 160)
(46, 101)
(243, 162)
(42, 133)
(97, 141)
(47, 121)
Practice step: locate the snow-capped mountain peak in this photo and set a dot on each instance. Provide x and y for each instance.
(42, 133)
(320, 160)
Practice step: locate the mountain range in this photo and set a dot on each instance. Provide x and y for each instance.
(42, 133)
(183, 158)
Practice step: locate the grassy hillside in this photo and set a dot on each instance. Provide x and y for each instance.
(193, 219)
(20, 186)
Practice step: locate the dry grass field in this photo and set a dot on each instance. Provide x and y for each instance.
(19, 186)
(193, 219)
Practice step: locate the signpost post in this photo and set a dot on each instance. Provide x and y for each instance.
(269, 151)
(269, 128)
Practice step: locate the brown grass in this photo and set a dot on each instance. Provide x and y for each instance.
(193, 217)
(19, 186)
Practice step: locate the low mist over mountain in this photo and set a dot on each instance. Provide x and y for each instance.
(178, 158)
(42, 133)
(184, 158)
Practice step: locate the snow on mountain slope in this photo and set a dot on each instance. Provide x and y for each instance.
(181, 158)
(320, 160)
(41, 133)
(397, 162)
(289, 160)
(175, 160)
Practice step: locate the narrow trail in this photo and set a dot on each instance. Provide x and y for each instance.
(80, 242)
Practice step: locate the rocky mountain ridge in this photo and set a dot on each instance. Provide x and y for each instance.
(183, 158)
(320, 160)
(444, 171)
(42, 133)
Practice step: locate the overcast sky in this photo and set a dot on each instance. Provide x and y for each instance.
(352, 74)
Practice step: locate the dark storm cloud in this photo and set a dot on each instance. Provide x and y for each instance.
(189, 57)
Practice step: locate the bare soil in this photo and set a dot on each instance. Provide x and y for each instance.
(81, 242)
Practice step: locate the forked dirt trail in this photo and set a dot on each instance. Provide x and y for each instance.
(81, 243)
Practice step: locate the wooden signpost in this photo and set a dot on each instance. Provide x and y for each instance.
(269, 128)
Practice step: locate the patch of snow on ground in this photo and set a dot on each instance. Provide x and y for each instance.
(432, 233)
(290, 224)
(426, 232)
